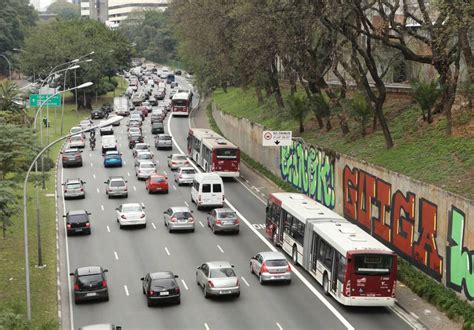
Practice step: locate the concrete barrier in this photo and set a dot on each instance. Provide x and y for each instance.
(431, 228)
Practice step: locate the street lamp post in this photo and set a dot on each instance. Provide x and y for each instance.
(9, 65)
(25, 213)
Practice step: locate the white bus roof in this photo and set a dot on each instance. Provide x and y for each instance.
(181, 96)
(201, 133)
(305, 208)
(346, 236)
(211, 139)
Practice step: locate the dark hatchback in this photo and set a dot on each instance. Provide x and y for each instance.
(71, 157)
(161, 287)
(90, 283)
(157, 128)
(98, 114)
(78, 222)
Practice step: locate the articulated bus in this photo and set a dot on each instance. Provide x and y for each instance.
(213, 153)
(180, 104)
(350, 264)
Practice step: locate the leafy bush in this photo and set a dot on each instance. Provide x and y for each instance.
(426, 93)
(360, 110)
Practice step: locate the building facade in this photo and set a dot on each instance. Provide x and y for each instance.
(95, 9)
(120, 9)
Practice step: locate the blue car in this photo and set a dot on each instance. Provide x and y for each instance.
(113, 158)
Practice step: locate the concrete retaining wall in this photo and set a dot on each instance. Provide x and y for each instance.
(424, 224)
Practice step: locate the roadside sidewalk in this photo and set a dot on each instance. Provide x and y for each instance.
(426, 315)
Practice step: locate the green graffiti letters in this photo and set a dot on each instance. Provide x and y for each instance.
(310, 171)
(460, 272)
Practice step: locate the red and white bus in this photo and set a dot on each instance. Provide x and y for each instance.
(213, 153)
(350, 264)
(180, 104)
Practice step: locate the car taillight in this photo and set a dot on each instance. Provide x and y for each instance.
(78, 157)
(82, 189)
(143, 215)
(76, 287)
(65, 190)
(264, 268)
(218, 222)
(123, 217)
(88, 225)
(68, 225)
(151, 293)
(173, 163)
(177, 290)
(191, 219)
(65, 158)
(126, 189)
(289, 268)
(347, 289)
(237, 283)
(237, 221)
(104, 283)
(211, 285)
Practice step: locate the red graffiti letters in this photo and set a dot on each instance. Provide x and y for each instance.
(368, 201)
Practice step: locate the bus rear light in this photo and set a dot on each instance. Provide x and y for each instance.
(393, 290)
(347, 289)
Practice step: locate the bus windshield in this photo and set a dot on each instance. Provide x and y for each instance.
(372, 264)
(226, 153)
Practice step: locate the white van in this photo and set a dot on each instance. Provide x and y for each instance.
(108, 143)
(207, 190)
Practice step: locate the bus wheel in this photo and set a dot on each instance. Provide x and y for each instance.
(326, 284)
(295, 256)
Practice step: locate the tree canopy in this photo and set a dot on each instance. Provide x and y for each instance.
(64, 9)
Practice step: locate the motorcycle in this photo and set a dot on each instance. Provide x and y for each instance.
(92, 144)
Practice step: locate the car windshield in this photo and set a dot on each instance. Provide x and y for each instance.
(131, 208)
(182, 215)
(147, 165)
(227, 214)
(85, 280)
(276, 263)
(222, 272)
(75, 185)
(188, 171)
(117, 183)
(77, 218)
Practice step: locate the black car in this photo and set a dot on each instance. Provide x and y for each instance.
(98, 114)
(161, 287)
(134, 139)
(71, 157)
(157, 128)
(177, 72)
(90, 283)
(78, 222)
(153, 101)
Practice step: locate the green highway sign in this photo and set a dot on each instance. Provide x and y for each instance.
(36, 100)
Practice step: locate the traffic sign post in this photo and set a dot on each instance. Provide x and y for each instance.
(276, 138)
(37, 100)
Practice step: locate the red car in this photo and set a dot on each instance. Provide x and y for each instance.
(157, 183)
(143, 110)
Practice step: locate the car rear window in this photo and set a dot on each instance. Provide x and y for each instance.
(163, 283)
(146, 165)
(158, 179)
(227, 215)
(70, 153)
(182, 215)
(222, 272)
(188, 171)
(217, 187)
(76, 218)
(73, 185)
(90, 279)
(76, 138)
(206, 188)
(180, 157)
(166, 137)
(117, 183)
(276, 263)
(131, 208)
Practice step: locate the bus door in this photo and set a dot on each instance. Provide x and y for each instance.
(335, 271)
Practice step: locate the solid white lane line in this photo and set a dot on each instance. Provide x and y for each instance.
(154, 227)
(167, 252)
(184, 284)
(116, 255)
(206, 326)
(323, 299)
(102, 207)
(98, 191)
(174, 187)
(245, 281)
(220, 249)
(126, 290)
(108, 229)
(128, 173)
(202, 225)
(134, 188)
(279, 326)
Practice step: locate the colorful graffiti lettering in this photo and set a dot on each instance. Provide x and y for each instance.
(368, 201)
(460, 261)
(310, 171)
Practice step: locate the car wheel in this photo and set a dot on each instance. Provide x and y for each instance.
(206, 295)
(260, 279)
(288, 282)
(208, 223)
(149, 302)
(251, 269)
(178, 301)
(149, 191)
(144, 226)
(106, 297)
(120, 226)
(294, 256)
(76, 301)
(126, 195)
(143, 290)
(214, 229)
(166, 191)
(237, 231)
(326, 285)
(237, 295)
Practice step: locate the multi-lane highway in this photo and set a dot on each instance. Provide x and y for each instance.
(129, 254)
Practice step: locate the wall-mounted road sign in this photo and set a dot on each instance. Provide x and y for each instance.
(37, 99)
(276, 138)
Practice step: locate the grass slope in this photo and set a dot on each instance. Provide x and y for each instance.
(421, 151)
(43, 281)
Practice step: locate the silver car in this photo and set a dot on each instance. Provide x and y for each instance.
(143, 155)
(218, 278)
(184, 175)
(270, 266)
(77, 141)
(223, 219)
(175, 161)
(178, 218)
(163, 141)
(144, 169)
(140, 147)
(74, 188)
(116, 187)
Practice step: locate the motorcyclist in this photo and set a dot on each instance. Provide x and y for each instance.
(92, 141)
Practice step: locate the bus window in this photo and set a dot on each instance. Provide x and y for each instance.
(372, 264)
(341, 267)
(226, 153)
(314, 253)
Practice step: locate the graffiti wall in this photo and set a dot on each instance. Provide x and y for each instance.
(424, 224)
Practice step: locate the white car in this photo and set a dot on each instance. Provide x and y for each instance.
(143, 156)
(175, 161)
(76, 130)
(85, 123)
(77, 141)
(144, 169)
(140, 147)
(185, 175)
(131, 214)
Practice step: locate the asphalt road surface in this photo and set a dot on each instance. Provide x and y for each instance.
(129, 254)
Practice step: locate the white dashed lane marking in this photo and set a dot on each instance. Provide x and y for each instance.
(184, 284)
(167, 251)
(108, 229)
(220, 249)
(202, 225)
(245, 281)
(154, 227)
(116, 255)
(102, 207)
(126, 290)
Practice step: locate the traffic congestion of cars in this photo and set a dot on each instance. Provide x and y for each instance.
(147, 114)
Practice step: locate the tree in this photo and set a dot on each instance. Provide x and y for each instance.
(426, 93)
(298, 108)
(321, 106)
(61, 41)
(8, 205)
(361, 111)
(11, 110)
(64, 9)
